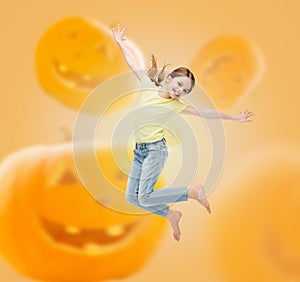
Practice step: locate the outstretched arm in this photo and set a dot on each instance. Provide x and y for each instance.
(213, 114)
(137, 67)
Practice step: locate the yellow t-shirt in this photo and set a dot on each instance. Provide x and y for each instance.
(153, 112)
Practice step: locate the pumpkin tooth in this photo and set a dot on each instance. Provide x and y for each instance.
(115, 230)
(72, 229)
(72, 84)
(92, 248)
(86, 78)
(62, 68)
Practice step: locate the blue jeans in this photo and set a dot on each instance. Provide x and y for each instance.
(149, 161)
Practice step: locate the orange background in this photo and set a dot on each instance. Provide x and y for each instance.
(174, 32)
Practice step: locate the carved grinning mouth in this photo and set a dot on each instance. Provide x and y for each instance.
(82, 239)
(74, 79)
(90, 240)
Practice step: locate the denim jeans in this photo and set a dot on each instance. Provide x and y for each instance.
(149, 161)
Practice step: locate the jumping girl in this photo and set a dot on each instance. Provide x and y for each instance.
(151, 152)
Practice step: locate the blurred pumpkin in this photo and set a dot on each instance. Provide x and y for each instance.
(74, 55)
(254, 232)
(226, 67)
(52, 229)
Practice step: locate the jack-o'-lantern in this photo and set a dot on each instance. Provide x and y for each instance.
(74, 55)
(52, 229)
(254, 233)
(227, 67)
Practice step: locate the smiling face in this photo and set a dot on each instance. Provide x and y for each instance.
(75, 55)
(178, 86)
(62, 224)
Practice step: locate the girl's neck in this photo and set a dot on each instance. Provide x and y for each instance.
(163, 93)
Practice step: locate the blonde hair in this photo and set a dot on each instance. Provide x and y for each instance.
(158, 78)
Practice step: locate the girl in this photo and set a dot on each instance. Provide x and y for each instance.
(150, 153)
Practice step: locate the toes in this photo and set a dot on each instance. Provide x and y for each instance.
(206, 205)
(208, 209)
(176, 236)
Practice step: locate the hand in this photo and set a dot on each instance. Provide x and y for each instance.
(119, 35)
(244, 116)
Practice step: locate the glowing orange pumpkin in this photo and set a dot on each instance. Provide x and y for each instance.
(254, 233)
(52, 229)
(227, 67)
(74, 56)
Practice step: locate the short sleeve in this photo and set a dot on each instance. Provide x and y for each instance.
(146, 82)
(178, 106)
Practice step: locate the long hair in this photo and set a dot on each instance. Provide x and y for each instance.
(158, 78)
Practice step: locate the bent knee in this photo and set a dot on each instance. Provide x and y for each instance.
(131, 199)
(144, 200)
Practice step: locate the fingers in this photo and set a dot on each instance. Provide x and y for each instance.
(122, 31)
(247, 114)
(119, 33)
(250, 112)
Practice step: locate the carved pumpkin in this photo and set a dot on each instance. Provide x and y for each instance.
(227, 67)
(254, 233)
(75, 55)
(52, 229)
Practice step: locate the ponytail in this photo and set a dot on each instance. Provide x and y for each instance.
(152, 72)
(158, 78)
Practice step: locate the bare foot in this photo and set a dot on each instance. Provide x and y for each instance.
(174, 217)
(197, 193)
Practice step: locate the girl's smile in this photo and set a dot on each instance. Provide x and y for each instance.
(178, 86)
(175, 87)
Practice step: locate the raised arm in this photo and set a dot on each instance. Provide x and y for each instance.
(213, 114)
(134, 63)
